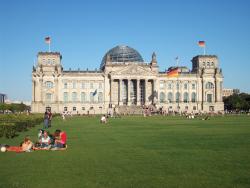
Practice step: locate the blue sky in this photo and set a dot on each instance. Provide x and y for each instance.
(83, 31)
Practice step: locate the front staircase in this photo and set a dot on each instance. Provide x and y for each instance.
(127, 110)
(133, 109)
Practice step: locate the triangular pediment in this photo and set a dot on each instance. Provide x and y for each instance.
(133, 70)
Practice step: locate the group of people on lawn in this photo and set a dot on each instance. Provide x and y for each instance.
(57, 141)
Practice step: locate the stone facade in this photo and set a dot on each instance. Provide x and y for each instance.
(126, 80)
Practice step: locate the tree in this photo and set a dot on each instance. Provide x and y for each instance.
(237, 102)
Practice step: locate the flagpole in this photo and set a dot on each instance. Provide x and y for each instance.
(49, 46)
(177, 61)
(204, 50)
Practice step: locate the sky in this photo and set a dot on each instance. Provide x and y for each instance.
(84, 30)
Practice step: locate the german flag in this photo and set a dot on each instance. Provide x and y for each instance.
(47, 40)
(202, 44)
(173, 73)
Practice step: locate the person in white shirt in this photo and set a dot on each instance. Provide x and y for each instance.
(103, 119)
(45, 140)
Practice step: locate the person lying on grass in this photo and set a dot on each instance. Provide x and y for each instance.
(25, 146)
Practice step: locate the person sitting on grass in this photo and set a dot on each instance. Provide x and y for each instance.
(103, 119)
(25, 146)
(40, 134)
(45, 141)
(60, 139)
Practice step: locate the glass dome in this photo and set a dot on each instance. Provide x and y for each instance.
(121, 54)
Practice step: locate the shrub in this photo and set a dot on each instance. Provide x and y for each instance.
(10, 124)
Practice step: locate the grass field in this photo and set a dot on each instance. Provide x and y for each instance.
(136, 152)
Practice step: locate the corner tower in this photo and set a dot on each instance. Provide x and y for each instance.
(45, 78)
(211, 80)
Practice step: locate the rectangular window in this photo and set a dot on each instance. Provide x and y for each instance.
(161, 85)
(209, 98)
(48, 97)
(177, 86)
(193, 86)
(100, 97)
(74, 108)
(74, 85)
(86, 85)
(100, 85)
(91, 96)
(74, 96)
(65, 97)
(83, 97)
(91, 86)
(211, 108)
(65, 85)
(186, 86)
(169, 86)
(83, 85)
(65, 108)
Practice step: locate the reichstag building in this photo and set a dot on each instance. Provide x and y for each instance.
(125, 83)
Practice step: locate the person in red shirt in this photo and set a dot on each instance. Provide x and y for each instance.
(60, 139)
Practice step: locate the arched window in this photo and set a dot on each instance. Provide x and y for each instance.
(209, 85)
(83, 97)
(49, 84)
(193, 97)
(65, 97)
(170, 97)
(185, 97)
(162, 97)
(177, 97)
(100, 97)
(74, 97)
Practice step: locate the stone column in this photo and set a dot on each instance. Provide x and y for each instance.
(174, 95)
(155, 94)
(146, 92)
(129, 102)
(202, 93)
(138, 92)
(217, 90)
(56, 90)
(41, 89)
(189, 92)
(110, 91)
(120, 92)
(33, 90)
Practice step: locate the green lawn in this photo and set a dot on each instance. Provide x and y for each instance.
(136, 152)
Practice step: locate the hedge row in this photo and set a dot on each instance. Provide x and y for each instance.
(10, 124)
